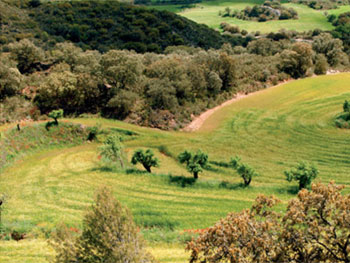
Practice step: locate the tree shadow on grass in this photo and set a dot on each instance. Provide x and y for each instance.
(221, 164)
(291, 189)
(105, 169)
(182, 181)
(210, 168)
(136, 171)
(231, 186)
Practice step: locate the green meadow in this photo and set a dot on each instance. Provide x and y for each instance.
(207, 13)
(270, 130)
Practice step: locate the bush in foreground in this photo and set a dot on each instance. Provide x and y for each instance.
(315, 228)
(109, 235)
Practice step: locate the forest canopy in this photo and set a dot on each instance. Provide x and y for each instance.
(105, 25)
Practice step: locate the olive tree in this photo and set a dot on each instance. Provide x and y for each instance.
(194, 162)
(112, 149)
(244, 170)
(56, 114)
(146, 158)
(303, 172)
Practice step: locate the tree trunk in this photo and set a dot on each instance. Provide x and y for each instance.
(148, 169)
(247, 181)
(18, 127)
(121, 162)
(56, 122)
(195, 174)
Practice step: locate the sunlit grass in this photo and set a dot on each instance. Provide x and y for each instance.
(38, 251)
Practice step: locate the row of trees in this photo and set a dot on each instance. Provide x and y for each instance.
(112, 150)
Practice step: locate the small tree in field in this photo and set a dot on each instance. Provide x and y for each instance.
(112, 149)
(56, 114)
(194, 162)
(304, 173)
(244, 170)
(146, 158)
(109, 235)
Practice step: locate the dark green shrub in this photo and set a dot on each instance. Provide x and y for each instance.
(343, 119)
(93, 132)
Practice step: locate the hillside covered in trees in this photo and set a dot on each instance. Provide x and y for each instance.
(68, 55)
(105, 25)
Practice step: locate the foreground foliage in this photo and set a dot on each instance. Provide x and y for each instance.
(109, 235)
(315, 228)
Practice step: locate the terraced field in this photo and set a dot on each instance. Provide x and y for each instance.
(207, 13)
(270, 130)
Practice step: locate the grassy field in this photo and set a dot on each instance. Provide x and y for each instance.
(207, 13)
(270, 130)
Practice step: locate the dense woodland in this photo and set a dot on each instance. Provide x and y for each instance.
(109, 25)
(40, 70)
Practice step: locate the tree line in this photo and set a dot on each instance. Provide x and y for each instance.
(156, 90)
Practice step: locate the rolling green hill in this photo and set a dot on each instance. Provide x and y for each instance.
(271, 130)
